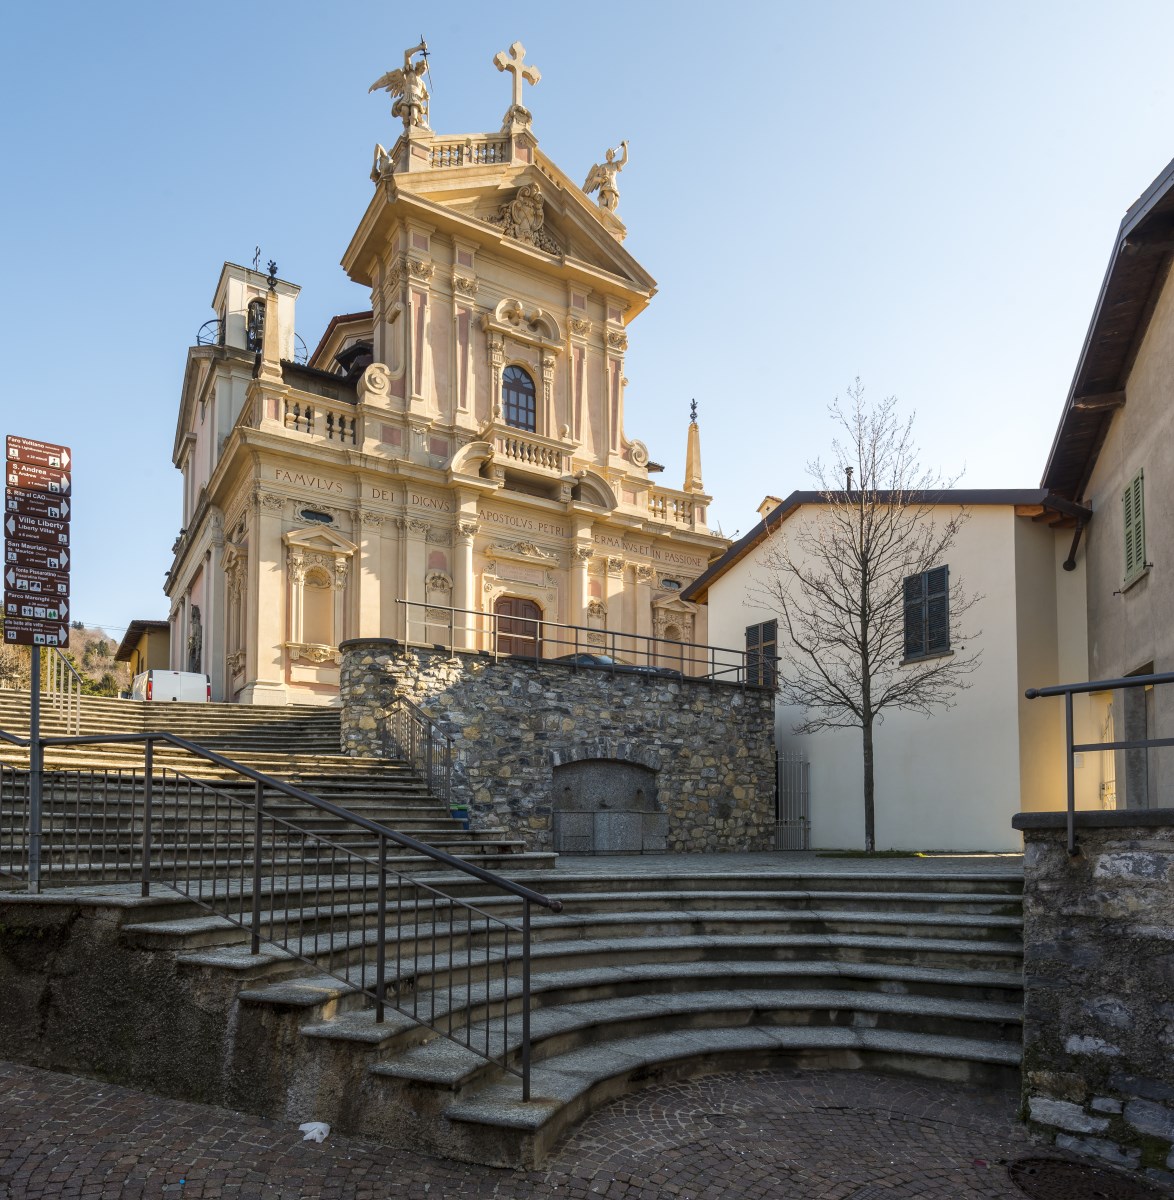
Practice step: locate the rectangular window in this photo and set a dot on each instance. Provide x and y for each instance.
(762, 653)
(1133, 504)
(927, 613)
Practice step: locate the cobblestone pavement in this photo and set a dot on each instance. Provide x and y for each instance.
(796, 1135)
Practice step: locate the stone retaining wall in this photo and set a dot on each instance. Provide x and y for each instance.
(711, 745)
(1098, 1038)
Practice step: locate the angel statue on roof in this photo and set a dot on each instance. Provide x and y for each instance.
(407, 84)
(603, 176)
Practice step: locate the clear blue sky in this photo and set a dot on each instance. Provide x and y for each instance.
(921, 194)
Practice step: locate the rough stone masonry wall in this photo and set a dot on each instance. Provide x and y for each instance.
(1098, 1037)
(514, 721)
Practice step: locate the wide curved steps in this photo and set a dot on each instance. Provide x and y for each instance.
(639, 979)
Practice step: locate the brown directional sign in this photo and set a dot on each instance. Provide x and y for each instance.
(36, 479)
(35, 580)
(35, 521)
(19, 632)
(42, 530)
(36, 608)
(38, 454)
(44, 558)
(37, 504)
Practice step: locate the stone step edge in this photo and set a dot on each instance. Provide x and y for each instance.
(233, 958)
(351, 1026)
(445, 1063)
(356, 943)
(557, 1083)
(198, 924)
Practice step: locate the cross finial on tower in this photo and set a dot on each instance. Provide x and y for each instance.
(513, 63)
(693, 411)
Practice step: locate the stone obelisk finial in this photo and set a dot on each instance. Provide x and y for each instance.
(693, 454)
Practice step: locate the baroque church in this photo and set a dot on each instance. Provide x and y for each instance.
(451, 466)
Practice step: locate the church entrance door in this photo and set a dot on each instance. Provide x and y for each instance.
(519, 628)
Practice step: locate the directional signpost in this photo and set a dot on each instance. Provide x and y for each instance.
(36, 542)
(35, 518)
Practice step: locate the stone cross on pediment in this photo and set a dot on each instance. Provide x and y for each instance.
(513, 62)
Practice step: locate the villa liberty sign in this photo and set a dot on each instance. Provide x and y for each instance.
(36, 542)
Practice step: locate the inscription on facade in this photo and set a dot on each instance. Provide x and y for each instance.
(435, 503)
(678, 559)
(528, 524)
(316, 483)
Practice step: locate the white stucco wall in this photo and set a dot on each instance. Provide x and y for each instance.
(955, 779)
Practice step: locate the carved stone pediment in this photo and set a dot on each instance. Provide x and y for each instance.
(524, 219)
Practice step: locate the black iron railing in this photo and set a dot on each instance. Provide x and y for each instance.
(414, 736)
(506, 636)
(332, 898)
(211, 333)
(1068, 690)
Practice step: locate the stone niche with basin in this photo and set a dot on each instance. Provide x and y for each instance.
(603, 806)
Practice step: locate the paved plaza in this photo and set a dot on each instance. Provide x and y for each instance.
(741, 1136)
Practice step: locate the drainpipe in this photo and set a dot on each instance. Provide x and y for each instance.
(1070, 561)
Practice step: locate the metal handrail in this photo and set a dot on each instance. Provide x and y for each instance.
(400, 839)
(431, 753)
(63, 688)
(229, 901)
(693, 660)
(1068, 690)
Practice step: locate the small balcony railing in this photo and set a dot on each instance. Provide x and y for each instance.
(469, 152)
(515, 449)
(320, 419)
(670, 508)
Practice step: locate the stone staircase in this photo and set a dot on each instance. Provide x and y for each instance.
(640, 978)
(654, 968)
(93, 794)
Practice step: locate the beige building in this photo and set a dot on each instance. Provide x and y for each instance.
(146, 646)
(953, 779)
(1114, 453)
(461, 445)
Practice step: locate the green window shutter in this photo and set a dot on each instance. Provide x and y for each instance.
(1133, 506)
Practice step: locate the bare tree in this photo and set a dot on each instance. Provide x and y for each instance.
(871, 617)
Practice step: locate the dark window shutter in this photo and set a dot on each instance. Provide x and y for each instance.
(937, 610)
(769, 650)
(761, 653)
(753, 653)
(915, 616)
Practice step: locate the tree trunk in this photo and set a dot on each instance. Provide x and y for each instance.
(869, 793)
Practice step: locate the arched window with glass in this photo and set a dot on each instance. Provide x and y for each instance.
(518, 399)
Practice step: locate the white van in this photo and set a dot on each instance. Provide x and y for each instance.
(187, 686)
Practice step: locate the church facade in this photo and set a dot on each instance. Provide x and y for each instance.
(454, 457)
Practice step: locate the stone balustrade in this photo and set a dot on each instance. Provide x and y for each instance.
(322, 420)
(469, 152)
(530, 452)
(671, 509)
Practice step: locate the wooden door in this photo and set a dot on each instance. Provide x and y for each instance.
(519, 630)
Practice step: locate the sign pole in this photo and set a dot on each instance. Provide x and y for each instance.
(36, 751)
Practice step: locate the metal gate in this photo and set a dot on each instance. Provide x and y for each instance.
(793, 830)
